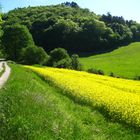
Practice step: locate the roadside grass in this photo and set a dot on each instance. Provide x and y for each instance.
(32, 109)
(124, 61)
(3, 69)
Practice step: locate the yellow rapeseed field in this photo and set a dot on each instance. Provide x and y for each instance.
(120, 98)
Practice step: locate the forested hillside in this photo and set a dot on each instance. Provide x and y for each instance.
(73, 28)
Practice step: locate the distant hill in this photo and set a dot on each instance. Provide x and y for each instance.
(73, 28)
(124, 61)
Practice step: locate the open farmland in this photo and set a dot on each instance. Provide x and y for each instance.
(119, 98)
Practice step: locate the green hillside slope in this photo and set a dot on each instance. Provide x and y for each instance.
(124, 62)
(32, 109)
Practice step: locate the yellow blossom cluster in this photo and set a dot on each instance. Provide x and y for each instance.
(120, 98)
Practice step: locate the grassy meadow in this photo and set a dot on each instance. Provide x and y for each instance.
(123, 62)
(32, 108)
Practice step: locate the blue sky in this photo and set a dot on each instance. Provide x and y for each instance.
(129, 9)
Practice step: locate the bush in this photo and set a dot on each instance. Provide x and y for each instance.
(95, 71)
(64, 63)
(59, 58)
(112, 74)
(34, 55)
(101, 72)
(92, 70)
(75, 64)
(58, 54)
(137, 78)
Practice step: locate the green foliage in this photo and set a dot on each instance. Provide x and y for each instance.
(95, 71)
(59, 58)
(112, 74)
(100, 72)
(75, 63)
(67, 26)
(34, 55)
(62, 33)
(71, 4)
(123, 31)
(1, 54)
(64, 63)
(92, 70)
(2, 70)
(58, 54)
(1, 33)
(127, 31)
(137, 78)
(73, 28)
(15, 38)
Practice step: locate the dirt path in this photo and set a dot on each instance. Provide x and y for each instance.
(5, 75)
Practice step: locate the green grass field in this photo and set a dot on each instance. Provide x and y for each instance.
(124, 62)
(31, 108)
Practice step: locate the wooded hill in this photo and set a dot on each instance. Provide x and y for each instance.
(73, 28)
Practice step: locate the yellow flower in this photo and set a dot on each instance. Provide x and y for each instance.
(119, 97)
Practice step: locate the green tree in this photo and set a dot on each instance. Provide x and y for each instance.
(34, 55)
(59, 58)
(1, 33)
(94, 35)
(75, 62)
(124, 32)
(62, 33)
(75, 29)
(71, 4)
(15, 38)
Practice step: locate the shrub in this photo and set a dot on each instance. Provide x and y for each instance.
(75, 64)
(59, 58)
(92, 70)
(95, 71)
(58, 54)
(64, 63)
(112, 74)
(101, 72)
(137, 78)
(34, 55)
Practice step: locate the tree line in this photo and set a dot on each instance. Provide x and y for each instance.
(73, 28)
(64, 26)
